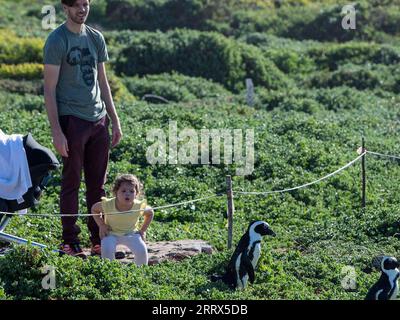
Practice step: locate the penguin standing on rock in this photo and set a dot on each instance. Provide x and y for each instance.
(387, 287)
(244, 260)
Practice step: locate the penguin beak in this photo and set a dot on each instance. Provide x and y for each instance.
(271, 233)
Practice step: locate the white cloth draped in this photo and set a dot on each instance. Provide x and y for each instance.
(15, 179)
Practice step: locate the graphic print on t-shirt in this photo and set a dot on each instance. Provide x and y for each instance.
(83, 58)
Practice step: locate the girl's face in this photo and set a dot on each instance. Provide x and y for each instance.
(126, 193)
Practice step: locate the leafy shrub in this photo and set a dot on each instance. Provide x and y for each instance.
(97, 12)
(375, 21)
(290, 61)
(245, 22)
(206, 55)
(3, 295)
(292, 99)
(174, 87)
(118, 89)
(27, 102)
(265, 41)
(343, 98)
(20, 271)
(359, 77)
(165, 15)
(360, 53)
(26, 71)
(318, 21)
(22, 86)
(261, 70)
(14, 50)
(315, 100)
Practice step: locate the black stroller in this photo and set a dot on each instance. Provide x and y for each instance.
(40, 160)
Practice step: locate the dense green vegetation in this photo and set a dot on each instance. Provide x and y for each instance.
(318, 90)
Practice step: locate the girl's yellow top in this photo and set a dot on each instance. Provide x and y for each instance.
(122, 223)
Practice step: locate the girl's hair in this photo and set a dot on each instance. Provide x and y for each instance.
(129, 178)
(69, 3)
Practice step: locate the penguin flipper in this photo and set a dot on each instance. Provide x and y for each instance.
(382, 295)
(249, 268)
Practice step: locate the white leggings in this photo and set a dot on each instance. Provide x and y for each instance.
(133, 241)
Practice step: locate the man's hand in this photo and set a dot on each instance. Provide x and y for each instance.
(116, 134)
(61, 144)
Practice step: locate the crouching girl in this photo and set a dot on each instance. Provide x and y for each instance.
(118, 219)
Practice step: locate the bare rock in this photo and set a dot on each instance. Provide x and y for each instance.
(169, 250)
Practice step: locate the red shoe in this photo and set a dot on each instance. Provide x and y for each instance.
(96, 250)
(73, 249)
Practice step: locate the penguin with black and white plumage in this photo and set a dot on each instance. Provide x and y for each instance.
(243, 262)
(387, 287)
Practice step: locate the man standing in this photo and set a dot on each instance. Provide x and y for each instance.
(78, 100)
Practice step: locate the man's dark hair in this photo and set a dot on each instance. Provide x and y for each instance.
(69, 3)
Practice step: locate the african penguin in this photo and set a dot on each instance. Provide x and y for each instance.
(386, 288)
(245, 257)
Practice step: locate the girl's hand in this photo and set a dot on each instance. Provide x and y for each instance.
(104, 230)
(143, 234)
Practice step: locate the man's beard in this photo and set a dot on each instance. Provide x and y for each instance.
(77, 19)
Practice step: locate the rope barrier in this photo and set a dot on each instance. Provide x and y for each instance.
(383, 155)
(304, 185)
(111, 213)
(211, 196)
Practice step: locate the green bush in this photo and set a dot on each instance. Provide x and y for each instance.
(20, 271)
(245, 22)
(14, 50)
(291, 99)
(26, 101)
(290, 61)
(118, 89)
(261, 70)
(165, 15)
(318, 21)
(359, 77)
(207, 55)
(315, 100)
(332, 56)
(3, 295)
(372, 23)
(34, 87)
(174, 87)
(344, 98)
(23, 71)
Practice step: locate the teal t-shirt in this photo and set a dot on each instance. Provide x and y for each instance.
(78, 91)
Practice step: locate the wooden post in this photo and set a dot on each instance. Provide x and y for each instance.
(231, 209)
(363, 199)
(249, 92)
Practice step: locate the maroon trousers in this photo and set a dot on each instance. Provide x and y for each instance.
(89, 145)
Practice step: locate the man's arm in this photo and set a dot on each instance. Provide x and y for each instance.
(108, 100)
(51, 74)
